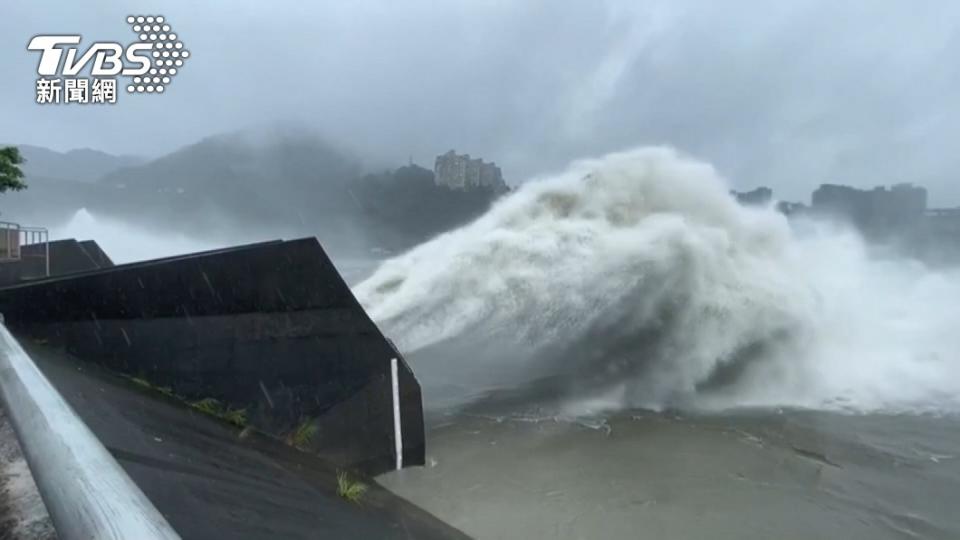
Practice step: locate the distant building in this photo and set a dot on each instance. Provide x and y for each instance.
(944, 220)
(758, 197)
(451, 170)
(788, 208)
(461, 172)
(952, 214)
(876, 210)
(762, 196)
(897, 217)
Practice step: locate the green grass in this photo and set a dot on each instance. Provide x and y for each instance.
(237, 417)
(350, 488)
(213, 407)
(303, 435)
(208, 405)
(143, 383)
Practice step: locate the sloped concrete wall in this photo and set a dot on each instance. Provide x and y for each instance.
(96, 253)
(66, 257)
(270, 327)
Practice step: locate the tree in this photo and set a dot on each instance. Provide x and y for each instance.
(11, 177)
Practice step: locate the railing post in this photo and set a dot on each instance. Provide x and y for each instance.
(46, 249)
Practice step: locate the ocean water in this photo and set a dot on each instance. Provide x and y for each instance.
(620, 350)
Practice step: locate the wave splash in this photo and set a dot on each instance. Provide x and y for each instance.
(644, 282)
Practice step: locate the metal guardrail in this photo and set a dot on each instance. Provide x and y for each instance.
(9, 241)
(86, 492)
(14, 236)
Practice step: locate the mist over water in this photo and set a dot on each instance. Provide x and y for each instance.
(640, 282)
(125, 242)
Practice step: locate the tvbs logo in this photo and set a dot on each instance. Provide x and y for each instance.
(150, 64)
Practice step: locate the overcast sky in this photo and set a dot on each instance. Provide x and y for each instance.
(787, 93)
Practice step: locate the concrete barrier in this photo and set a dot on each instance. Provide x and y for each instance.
(65, 257)
(271, 328)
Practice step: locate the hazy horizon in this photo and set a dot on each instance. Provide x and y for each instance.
(788, 96)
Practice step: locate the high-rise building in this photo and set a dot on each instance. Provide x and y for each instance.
(461, 172)
(876, 209)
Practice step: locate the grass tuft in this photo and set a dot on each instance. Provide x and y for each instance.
(303, 435)
(211, 406)
(237, 417)
(350, 488)
(143, 383)
(208, 405)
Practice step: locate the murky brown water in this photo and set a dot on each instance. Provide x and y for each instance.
(644, 475)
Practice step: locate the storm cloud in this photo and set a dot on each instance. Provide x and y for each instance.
(786, 94)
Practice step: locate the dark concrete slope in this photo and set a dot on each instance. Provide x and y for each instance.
(66, 257)
(211, 480)
(270, 328)
(96, 253)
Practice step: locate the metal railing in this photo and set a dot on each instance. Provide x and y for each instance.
(9, 241)
(13, 237)
(86, 492)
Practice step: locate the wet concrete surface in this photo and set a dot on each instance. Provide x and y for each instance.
(22, 514)
(213, 480)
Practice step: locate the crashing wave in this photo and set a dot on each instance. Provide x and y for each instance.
(637, 275)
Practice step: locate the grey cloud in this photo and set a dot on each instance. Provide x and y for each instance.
(788, 94)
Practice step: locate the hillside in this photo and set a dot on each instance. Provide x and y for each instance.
(84, 165)
(255, 185)
(407, 204)
(284, 179)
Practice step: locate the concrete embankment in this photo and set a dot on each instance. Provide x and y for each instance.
(235, 387)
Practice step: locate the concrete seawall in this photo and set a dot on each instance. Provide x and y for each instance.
(66, 257)
(269, 328)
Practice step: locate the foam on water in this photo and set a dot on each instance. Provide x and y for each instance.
(641, 266)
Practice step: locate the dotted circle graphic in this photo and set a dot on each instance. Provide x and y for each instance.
(167, 51)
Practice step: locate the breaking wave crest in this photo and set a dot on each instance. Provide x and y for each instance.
(636, 277)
